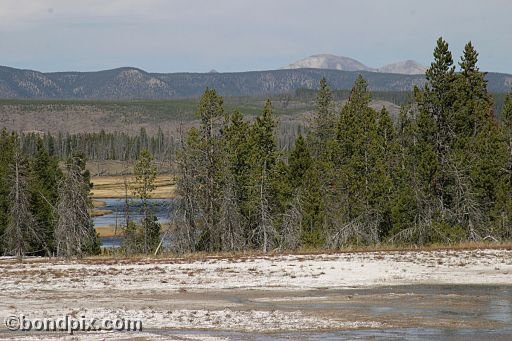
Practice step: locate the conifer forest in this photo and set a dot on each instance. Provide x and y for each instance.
(438, 172)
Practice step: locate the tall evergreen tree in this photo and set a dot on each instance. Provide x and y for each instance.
(211, 113)
(201, 165)
(360, 173)
(145, 176)
(324, 124)
(436, 105)
(305, 180)
(235, 204)
(44, 179)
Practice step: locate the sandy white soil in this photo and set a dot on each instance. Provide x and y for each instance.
(291, 272)
(187, 294)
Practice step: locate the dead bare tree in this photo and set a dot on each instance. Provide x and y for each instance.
(419, 232)
(231, 220)
(466, 210)
(265, 232)
(74, 229)
(292, 225)
(186, 233)
(364, 229)
(21, 230)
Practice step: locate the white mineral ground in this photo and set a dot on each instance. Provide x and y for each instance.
(196, 294)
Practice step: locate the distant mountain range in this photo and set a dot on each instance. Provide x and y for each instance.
(132, 83)
(332, 62)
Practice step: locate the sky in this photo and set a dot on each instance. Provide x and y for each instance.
(243, 35)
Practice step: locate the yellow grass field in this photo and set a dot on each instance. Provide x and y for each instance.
(109, 231)
(113, 187)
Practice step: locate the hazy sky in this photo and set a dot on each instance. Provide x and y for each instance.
(238, 35)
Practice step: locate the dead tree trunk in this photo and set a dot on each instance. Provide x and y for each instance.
(74, 227)
(21, 230)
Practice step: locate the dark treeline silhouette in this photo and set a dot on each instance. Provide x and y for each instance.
(102, 145)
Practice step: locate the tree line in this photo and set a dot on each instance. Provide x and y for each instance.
(103, 145)
(442, 172)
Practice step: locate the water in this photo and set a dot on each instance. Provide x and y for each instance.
(410, 312)
(160, 208)
(420, 333)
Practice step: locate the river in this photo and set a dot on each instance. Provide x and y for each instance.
(160, 207)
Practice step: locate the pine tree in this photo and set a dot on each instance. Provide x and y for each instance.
(44, 179)
(305, 181)
(145, 176)
(436, 103)
(324, 124)
(235, 204)
(360, 174)
(211, 112)
(300, 161)
(473, 106)
(386, 169)
(201, 165)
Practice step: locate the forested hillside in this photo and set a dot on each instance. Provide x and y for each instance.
(132, 83)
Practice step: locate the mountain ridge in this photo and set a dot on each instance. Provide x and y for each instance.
(135, 83)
